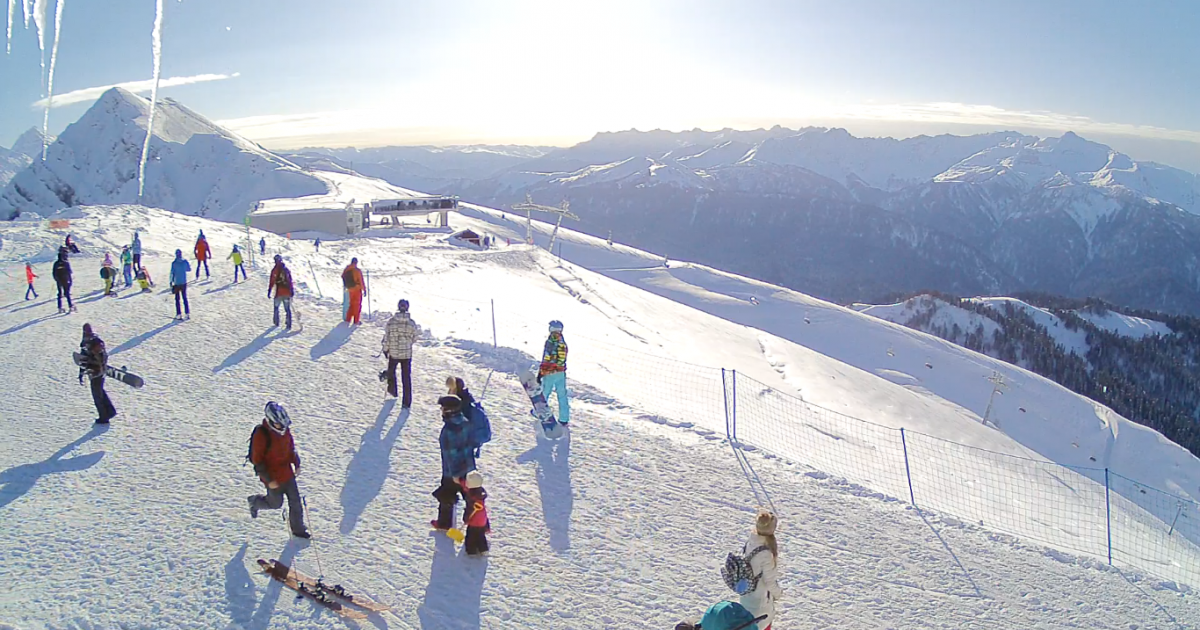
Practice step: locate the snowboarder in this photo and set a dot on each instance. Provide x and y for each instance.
(179, 279)
(95, 360)
(29, 276)
(203, 253)
(397, 347)
(762, 553)
(136, 249)
(352, 280)
(108, 273)
(273, 454)
(127, 266)
(236, 257)
(724, 616)
(262, 246)
(62, 278)
(553, 372)
(476, 518)
(458, 459)
(143, 279)
(281, 283)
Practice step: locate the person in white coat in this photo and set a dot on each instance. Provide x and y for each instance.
(765, 563)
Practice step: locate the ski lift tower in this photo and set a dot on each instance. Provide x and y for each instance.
(529, 208)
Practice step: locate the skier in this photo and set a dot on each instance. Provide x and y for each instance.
(136, 249)
(95, 359)
(202, 255)
(398, 342)
(273, 453)
(127, 266)
(476, 518)
(762, 552)
(352, 280)
(62, 278)
(553, 372)
(108, 273)
(236, 257)
(724, 616)
(179, 279)
(262, 246)
(458, 459)
(281, 283)
(29, 276)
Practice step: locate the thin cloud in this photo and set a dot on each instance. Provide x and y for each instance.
(137, 87)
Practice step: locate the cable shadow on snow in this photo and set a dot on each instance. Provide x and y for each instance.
(262, 617)
(1166, 613)
(240, 592)
(333, 340)
(455, 591)
(136, 341)
(369, 468)
(954, 556)
(32, 322)
(263, 340)
(20, 479)
(553, 459)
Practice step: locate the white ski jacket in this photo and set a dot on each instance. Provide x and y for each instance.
(401, 334)
(761, 601)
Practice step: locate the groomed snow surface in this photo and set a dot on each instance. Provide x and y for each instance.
(624, 525)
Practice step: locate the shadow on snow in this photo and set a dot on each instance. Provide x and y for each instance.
(18, 480)
(369, 467)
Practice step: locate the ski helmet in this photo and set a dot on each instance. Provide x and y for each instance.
(277, 417)
(278, 258)
(402, 306)
(556, 326)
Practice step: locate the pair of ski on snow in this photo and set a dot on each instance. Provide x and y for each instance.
(335, 598)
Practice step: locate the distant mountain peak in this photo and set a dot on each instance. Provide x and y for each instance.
(30, 143)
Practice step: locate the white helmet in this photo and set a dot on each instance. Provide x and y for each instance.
(277, 417)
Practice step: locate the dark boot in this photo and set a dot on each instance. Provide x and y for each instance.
(445, 519)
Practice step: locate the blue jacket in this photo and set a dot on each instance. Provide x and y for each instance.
(458, 454)
(179, 269)
(137, 245)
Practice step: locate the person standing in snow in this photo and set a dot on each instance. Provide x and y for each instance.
(71, 246)
(95, 360)
(108, 273)
(127, 266)
(179, 280)
(203, 253)
(762, 551)
(29, 276)
(458, 459)
(476, 518)
(273, 454)
(398, 342)
(281, 283)
(136, 249)
(317, 245)
(262, 246)
(352, 280)
(62, 279)
(236, 257)
(553, 372)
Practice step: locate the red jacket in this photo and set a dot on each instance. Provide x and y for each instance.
(477, 510)
(281, 282)
(29, 275)
(202, 252)
(273, 455)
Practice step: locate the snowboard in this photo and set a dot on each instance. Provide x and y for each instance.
(122, 374)
(337, 590)
(287, 577)
(547, 424)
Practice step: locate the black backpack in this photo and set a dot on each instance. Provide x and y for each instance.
(283, 279)
(348, 279)
(739, 574)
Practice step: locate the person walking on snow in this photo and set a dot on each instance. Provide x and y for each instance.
(236, 257)
(136, 249)
(553, 372)
(262, 246)
(476, 518)
(109, 274)
(273, 454)
(317, 244)
(397, 347)
(127, 266)
(281, 283)
(458, 459)
(29, 276)
(762, 551)
(95, 360)
(352, 280)
(203, 253)
(62, 279)
(179, 280)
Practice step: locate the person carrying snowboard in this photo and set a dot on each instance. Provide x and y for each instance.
(29, 276)
(236, 257)
(476, 518)
(352, 280)
(273, 454)
(203, 253)
(136, 250)
(281, 283)
(108, 273)
(179, 280)
(127, 266)
(553, 371)
(62, 279)
(95, 360)
(458, 459)
(398, 342)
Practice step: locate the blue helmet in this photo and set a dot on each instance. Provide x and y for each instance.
(556, 326)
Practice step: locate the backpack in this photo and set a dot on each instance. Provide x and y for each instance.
(250, 442)
(284, 279)
(739, 574)
(348, 278)
(480, 430)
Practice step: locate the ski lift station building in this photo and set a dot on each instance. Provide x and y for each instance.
(334, 214)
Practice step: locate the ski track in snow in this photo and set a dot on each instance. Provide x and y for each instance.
(623, 525)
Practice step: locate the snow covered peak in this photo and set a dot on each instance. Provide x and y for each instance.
(30, 143)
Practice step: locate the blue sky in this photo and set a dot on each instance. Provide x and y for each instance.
(372, 72)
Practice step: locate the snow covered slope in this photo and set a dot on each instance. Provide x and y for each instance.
(623, 526)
